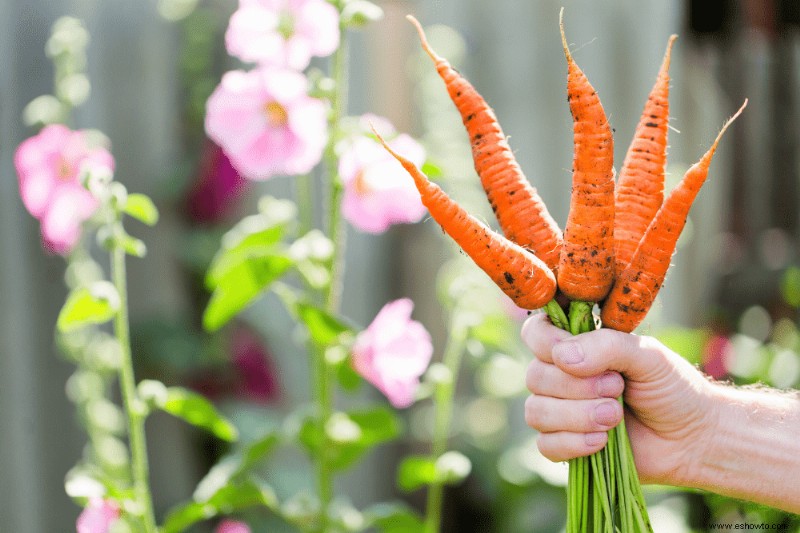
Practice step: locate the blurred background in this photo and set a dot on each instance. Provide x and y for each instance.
(730, 302)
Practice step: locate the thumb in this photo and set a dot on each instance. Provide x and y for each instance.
(593, 353)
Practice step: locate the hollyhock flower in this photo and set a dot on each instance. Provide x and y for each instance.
(257, 377)
(98, 516)
(514, 311)
(393, 352)
(283, 32)
(232, 526)
(377, 190)
(266, 122)
(49, 166)
(717, 356)
(217, 188)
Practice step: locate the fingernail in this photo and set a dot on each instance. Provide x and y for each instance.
(568, 352)
(594, 439)
(608, 385)
(605, 413)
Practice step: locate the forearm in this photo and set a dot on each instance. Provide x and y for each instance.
(753, 450)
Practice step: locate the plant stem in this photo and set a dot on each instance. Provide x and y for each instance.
(133, 408)
(336, 229)
(443, 406)
(323, 388)
(305, 202)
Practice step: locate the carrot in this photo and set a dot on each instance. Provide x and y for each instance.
(640, 187)
(586, 264)
(519, 209)
(525, 278)
(637, 286)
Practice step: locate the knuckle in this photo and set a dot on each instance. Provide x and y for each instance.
(532, 417)
(543, 443)
(533, 376)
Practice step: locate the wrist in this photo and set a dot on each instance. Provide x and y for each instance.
(699, 444)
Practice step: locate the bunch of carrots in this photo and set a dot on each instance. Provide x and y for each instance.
(615, 249)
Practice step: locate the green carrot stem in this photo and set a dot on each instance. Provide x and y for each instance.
(556, 314)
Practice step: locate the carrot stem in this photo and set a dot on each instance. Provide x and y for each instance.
(603, 490)
(557, 315)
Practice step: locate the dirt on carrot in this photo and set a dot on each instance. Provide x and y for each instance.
(519, 209)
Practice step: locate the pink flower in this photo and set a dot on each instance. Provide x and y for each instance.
(283, 33)
(393, 352)
(232, 526)
(266, 123)
(378, 192)
(514, 311)
(717, 356)
(258, 380)
(218, 186)
(50, 166)
(98, 516)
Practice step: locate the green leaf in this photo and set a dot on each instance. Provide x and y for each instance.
(251, 258)
(133, 246)
(324, 328)
(394, 518)
(686, 342)
(196, 410)
(254, 246)
(494, 330)
(416, 471)
(431, 170)
(228, 499)
(348, 436)
(240, 286)
(302, 510)
(790, 286)
(142, 208)
(234, 467)
(349, 379)
(359, 13)
(93, 304)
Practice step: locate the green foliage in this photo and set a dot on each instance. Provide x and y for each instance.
(416, 471)
(251, 258)
(686, 342)
(133, 246)
(349, 435)
(790, 286)
(93, 304)
(359, 13)
(324, 328)
(188, 406)
(229, 498)
(142, 208)
(394, 518)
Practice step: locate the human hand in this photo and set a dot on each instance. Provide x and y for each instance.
(574, 380)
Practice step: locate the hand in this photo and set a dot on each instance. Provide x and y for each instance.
(574, 380)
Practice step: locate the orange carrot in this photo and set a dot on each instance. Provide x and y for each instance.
(525, 278)
(586, 264)
(637, 286)
(520, 211)
(640, 187)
